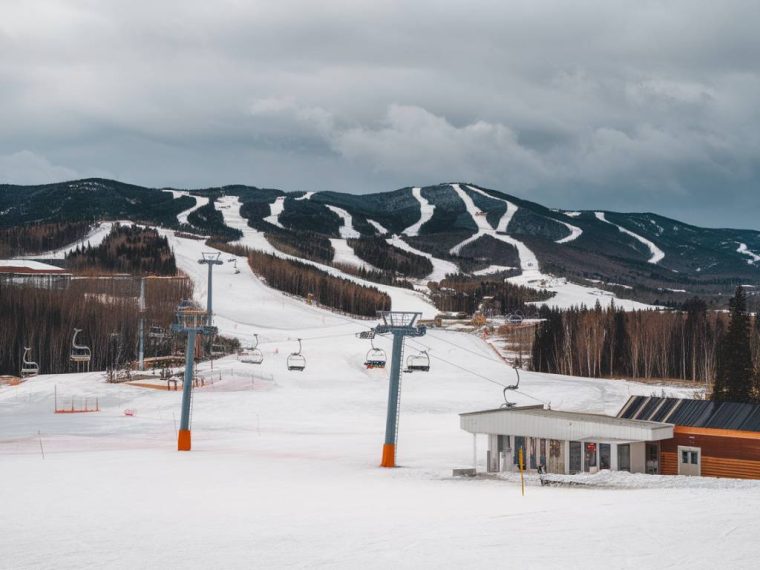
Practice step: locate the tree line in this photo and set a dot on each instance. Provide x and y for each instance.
(691, 344)
(30, 239)
(105, 310)
(127, 249)
(462, 293)
(382, 255)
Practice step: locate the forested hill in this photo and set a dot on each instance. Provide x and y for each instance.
(641, 255)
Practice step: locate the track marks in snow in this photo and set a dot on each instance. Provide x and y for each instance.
(657, 253)
(275, 209)
(347, 229)
(753, 257)
(426, 212)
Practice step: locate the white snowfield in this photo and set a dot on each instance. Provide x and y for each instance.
(344, 253)
(753, 257)
(306, 196)
(657, 253)
(441, 267)
(283, 471)
(575, 232)
(94, 237)
(199, 203)
(275, 209)
(28, 264)
(426, 212)
(347, 229)
(379, 227)
(402, 299)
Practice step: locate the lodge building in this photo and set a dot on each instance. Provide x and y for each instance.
(668, 436)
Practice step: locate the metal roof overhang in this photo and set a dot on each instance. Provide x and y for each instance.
(572, 426)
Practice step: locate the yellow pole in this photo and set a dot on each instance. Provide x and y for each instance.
(522, 466)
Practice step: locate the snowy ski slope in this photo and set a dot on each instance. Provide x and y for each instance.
(753, 257)
(426, 212)
(283, 471)
(347, 229)
(657, 254)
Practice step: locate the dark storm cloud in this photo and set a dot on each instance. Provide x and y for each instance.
(616, 105)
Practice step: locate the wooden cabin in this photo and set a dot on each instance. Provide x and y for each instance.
(712, 439)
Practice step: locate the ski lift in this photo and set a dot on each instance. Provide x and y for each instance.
(28, 368)
(507, 404)
(217, 350)
(252, 355)
(418, 362)
(296, 360)
(80, 354)
(376, 357)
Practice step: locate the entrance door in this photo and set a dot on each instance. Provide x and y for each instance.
(624, 457)
(653, 458)
(605, 455)
(689, 461)
(575, 457)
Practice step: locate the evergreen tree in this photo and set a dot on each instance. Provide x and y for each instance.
(734, 376)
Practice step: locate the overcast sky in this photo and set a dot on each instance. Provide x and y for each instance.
(635, 106)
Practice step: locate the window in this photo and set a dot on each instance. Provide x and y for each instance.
(575, 456)
(604, 455)
(684, 457)
(533, 442)
(542, 453)
(624, 457)
(589, 458)
(694, 457)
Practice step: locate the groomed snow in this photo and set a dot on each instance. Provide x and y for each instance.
(283, 471)
(379, 227)
(28, 264)
(657, 253)
(306, 196)
(275, 209)
(441, 267)
(426, 212)
(94, 237)
(575, 232)
(199, 203)
(344, 253)
(347, 229)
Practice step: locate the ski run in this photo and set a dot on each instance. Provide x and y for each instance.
(657, 254)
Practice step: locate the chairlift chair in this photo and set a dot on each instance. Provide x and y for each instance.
(80, 354)
(418, 362)
(515, 318)
(217, 350)
(157, 332)
(296, 360)
(515, 386)
(252, 355)
(28, 368)
(376, 357)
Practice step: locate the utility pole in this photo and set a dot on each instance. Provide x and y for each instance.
(193, 322)
(210, 259)
(141, 333)
(400, 324)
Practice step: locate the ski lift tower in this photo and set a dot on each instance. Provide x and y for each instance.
(192, 321)
(141, 332)
(210, 258)
(400, 324)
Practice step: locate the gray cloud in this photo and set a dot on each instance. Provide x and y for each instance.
(615, 105)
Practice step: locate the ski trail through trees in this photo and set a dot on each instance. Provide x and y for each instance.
(657, 253)
(426, 212)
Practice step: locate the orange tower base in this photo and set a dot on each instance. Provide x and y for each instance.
(389, 455)
(183, 440)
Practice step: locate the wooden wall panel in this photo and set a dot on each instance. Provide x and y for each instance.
(723, 454)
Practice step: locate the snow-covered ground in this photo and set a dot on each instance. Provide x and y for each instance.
(189, 250)
(575, 232)
(199, 203)
(94, 237)
(283, 471)
(657, 254)
(426, 212)
(347, 229)
(28, 264)
(753, 257)
(379, 227)
(441, 267)
(275, 209)
(344, 253)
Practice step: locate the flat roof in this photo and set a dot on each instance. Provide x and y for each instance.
(536, 421)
